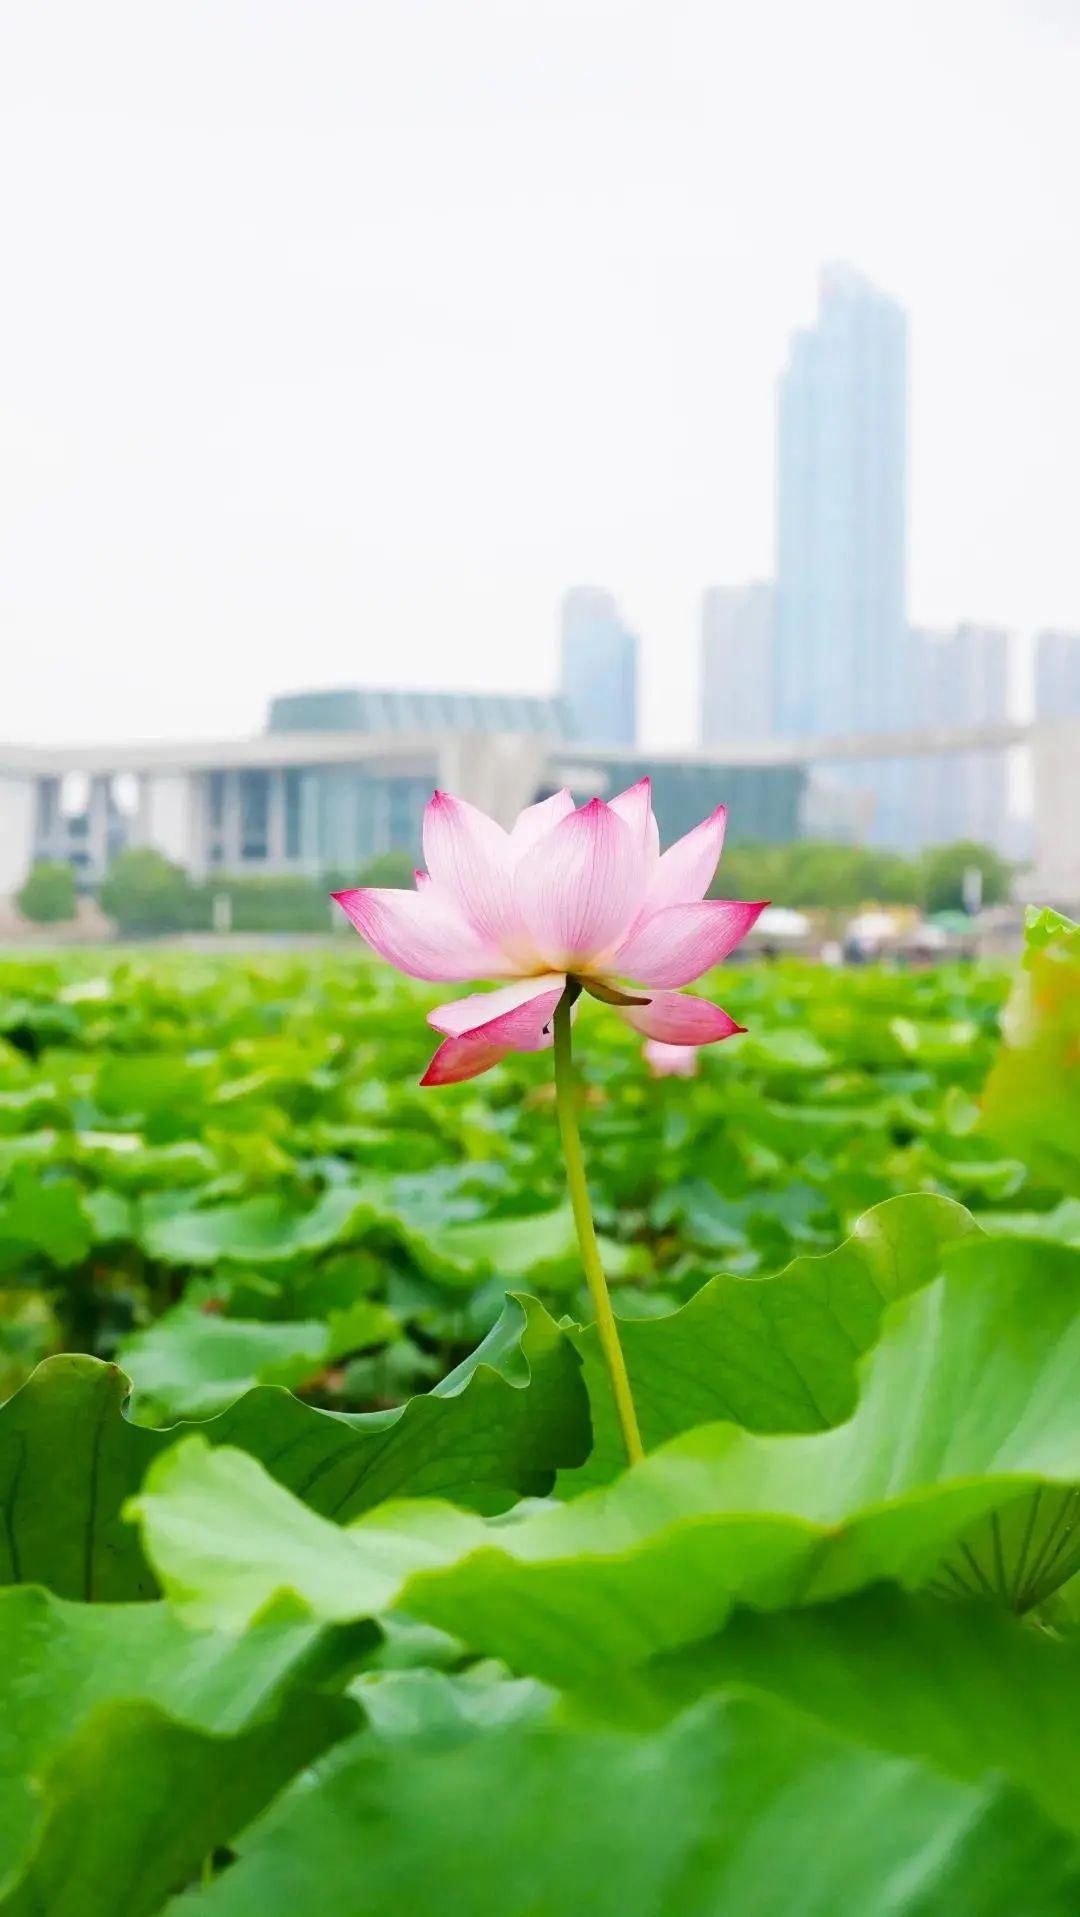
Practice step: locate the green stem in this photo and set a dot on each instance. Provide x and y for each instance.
(607, 1328)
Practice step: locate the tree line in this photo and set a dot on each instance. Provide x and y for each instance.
(146, 895)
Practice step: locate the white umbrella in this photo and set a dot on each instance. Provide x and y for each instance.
(780, 922)
(872, 927)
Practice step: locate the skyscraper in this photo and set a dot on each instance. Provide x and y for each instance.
(842, 516)
(1057, 675)
(964, 681)
(736, 663)
(598, 668)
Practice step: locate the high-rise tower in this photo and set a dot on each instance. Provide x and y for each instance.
(841, 614)
(736, 663)
(598, 668)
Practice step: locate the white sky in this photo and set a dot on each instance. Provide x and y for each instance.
(338, 336)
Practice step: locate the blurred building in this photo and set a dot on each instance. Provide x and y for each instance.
(841, 569)
(736, 663)
(318, 802)
(841, 537)
(354, 709)
(339, 777)
(766, 803)
(963, 679)
(332, 816)
(598, 668)
(1057, 675)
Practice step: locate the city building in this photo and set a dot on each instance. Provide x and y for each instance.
(736, 663)
(767, 803)
(841, 534)
(331, 817)
(1057, 675)
(963, 680)
(339, 777)
(353, 709)
(598, 668)
(316, 802)
(842, 514)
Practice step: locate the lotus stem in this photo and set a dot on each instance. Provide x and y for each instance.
(606, 1324)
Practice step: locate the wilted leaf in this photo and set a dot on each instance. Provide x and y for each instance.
(1032, 1098)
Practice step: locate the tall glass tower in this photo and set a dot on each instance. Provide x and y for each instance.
(841, 614)
(1057, 675)
(736, 663)
(598, 668)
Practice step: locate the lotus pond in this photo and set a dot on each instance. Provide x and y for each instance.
(325, 1587)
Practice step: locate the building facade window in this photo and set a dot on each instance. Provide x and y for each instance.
(254, 815)
(293, 812)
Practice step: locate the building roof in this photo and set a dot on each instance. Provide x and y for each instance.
(366, 710)
(333, 747)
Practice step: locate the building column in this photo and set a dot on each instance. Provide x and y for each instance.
(168, 816)
(97, 835)
(199, 856)
(275, 818)
(18, 826)
(379, 819)
(1055, 777)
(312, 801)
(231, 833)
(499, 772)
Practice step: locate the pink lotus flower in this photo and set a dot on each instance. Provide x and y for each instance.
(670, 1061)
(579, 895)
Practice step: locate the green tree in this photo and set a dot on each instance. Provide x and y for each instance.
(48, 896)
(392, 869)
(942, 869)
(144, 892)
(811, 875)
(753, 872)
(816, 876)
(267, 902)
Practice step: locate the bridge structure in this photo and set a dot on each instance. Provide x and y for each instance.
(1052, 748)
(250, 803)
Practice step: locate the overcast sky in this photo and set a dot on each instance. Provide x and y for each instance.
(338, 336)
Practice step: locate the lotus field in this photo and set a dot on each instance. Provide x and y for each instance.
(358, 1559)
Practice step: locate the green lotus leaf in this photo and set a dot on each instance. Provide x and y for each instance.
(444, 1707)
(539, 1250)
(774, 1354)
(960, 1466)
(740, 1806)
(497, 1427)
(136, 1802)
(48, 1218)
(267, 1229)
(970, 1690)
(64, 1667)
(161, 1088)
(68, 1460)
(191, 1363)
(270, 1230)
